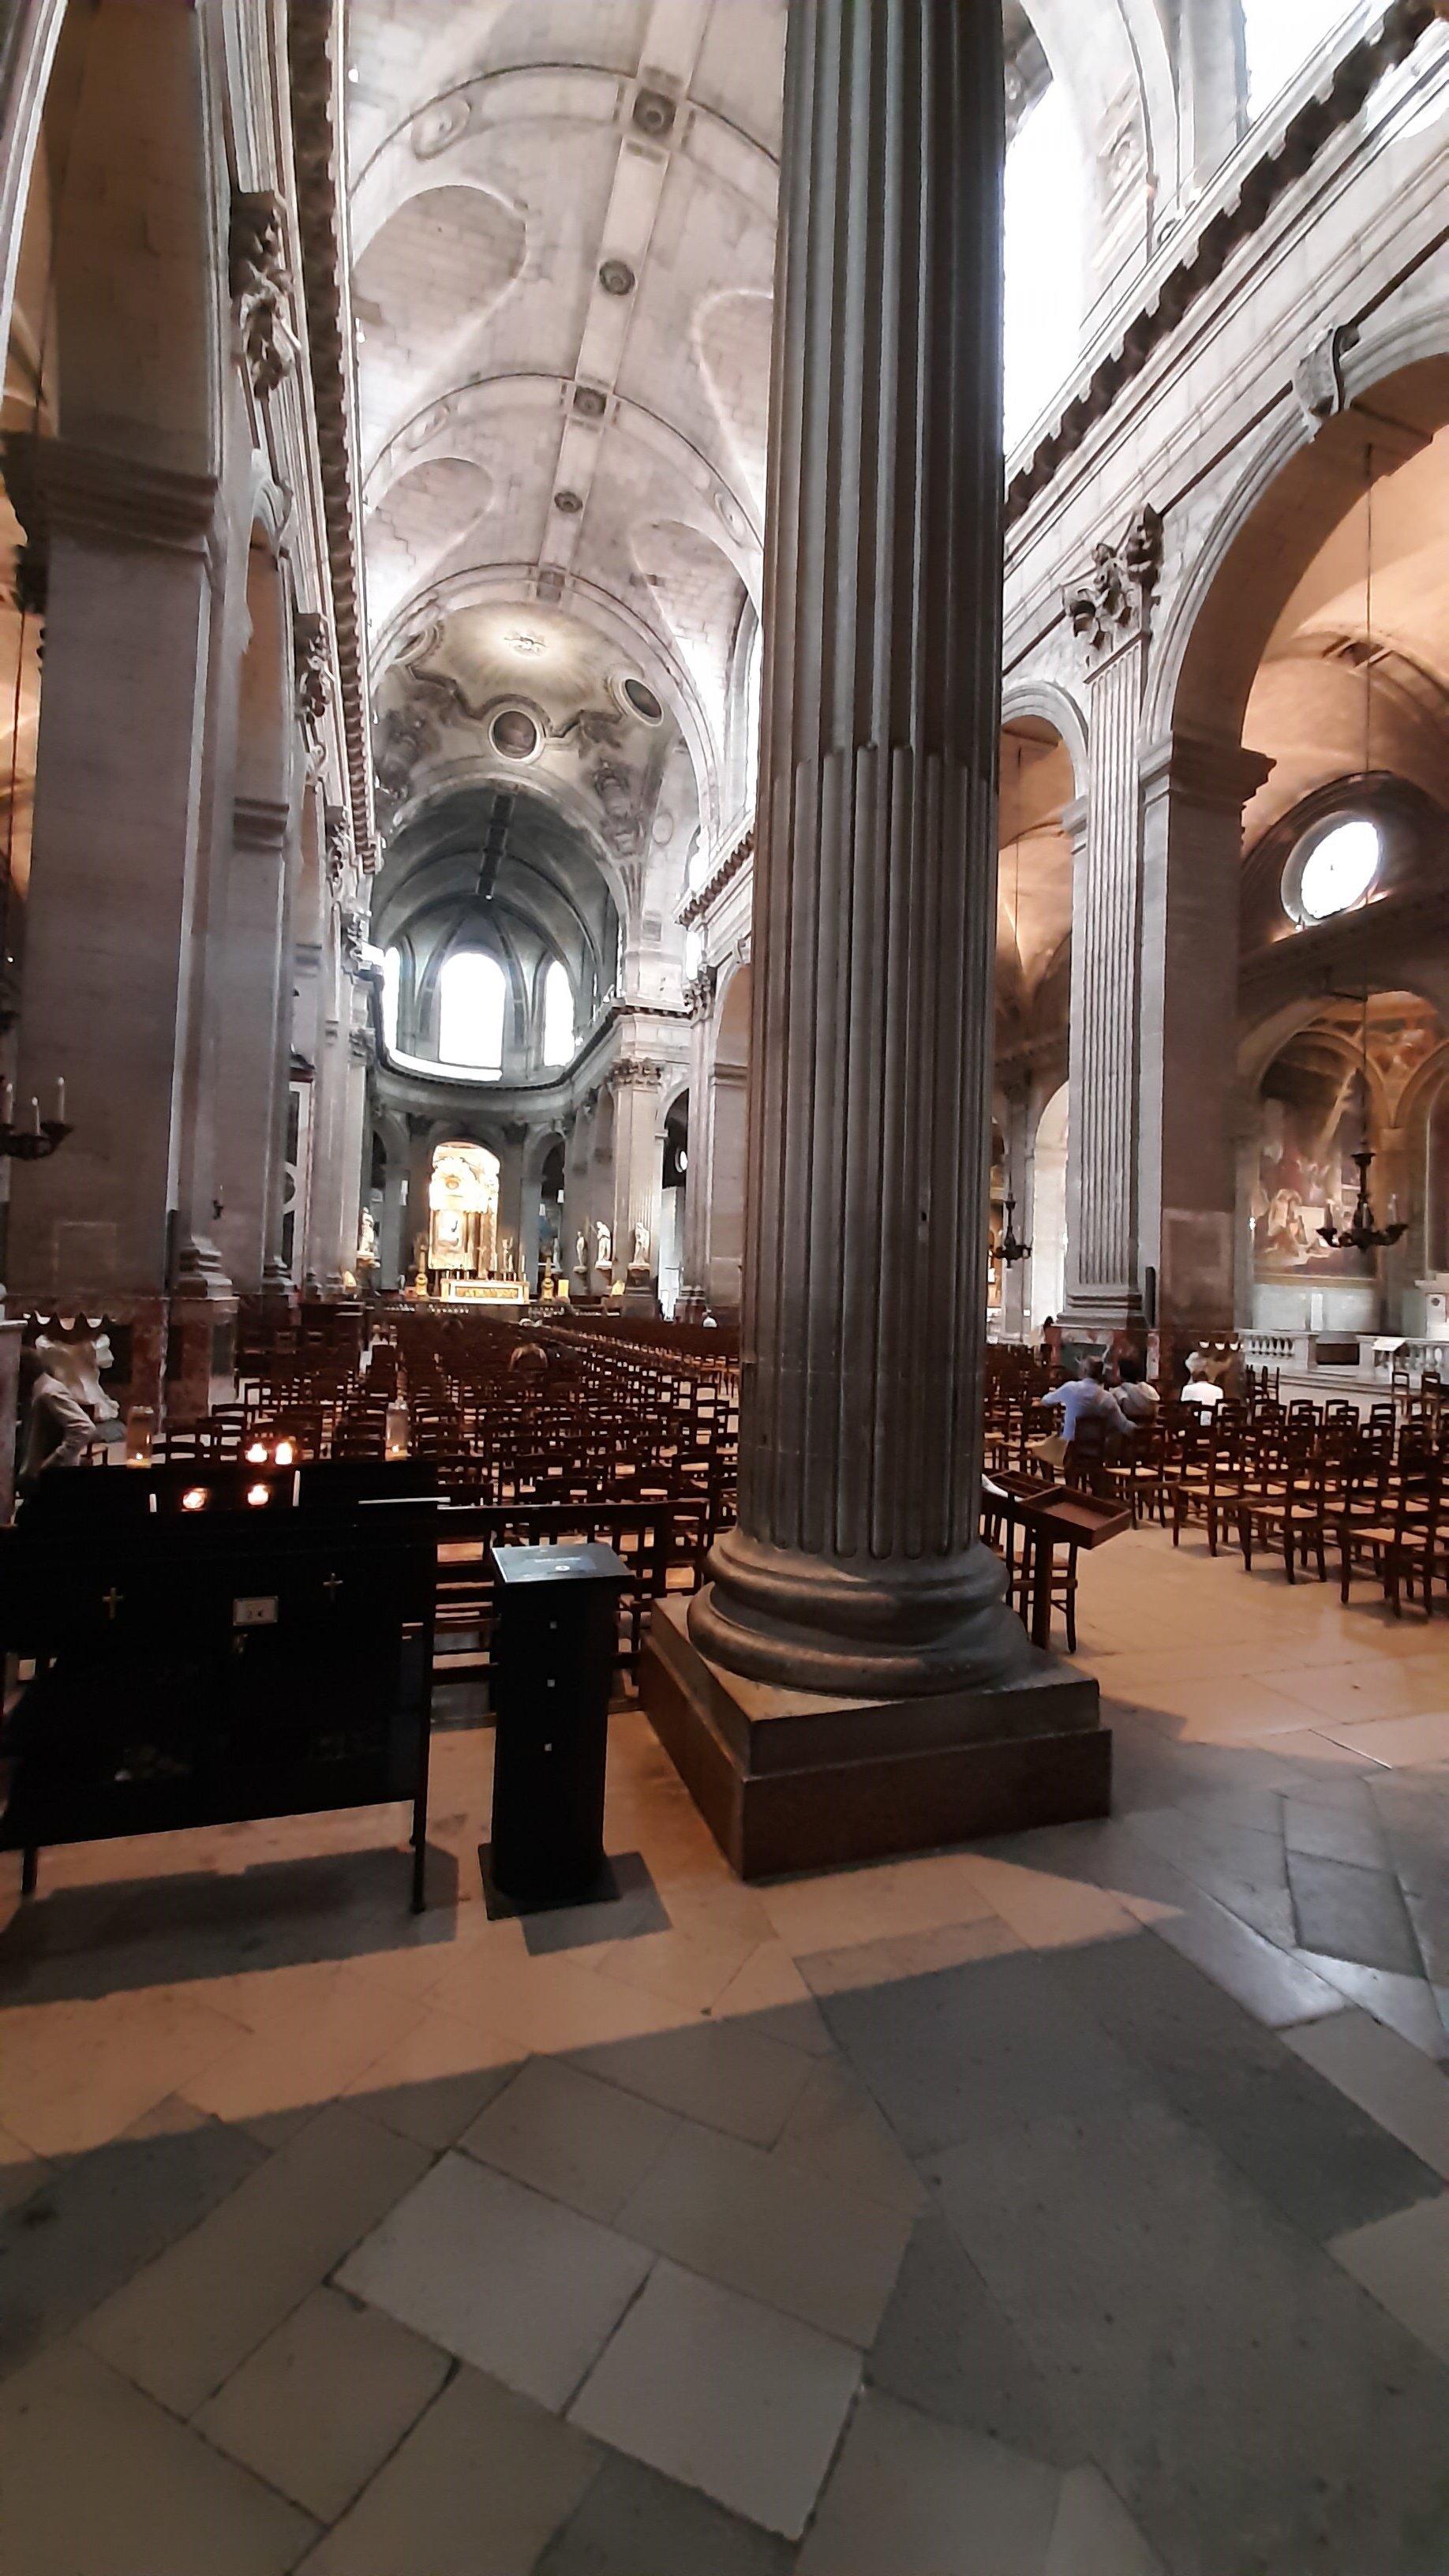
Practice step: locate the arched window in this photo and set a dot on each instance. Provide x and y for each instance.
(558, 1014)
(1281, 35)
(472, 996)
(391, 988)
(1045, 231)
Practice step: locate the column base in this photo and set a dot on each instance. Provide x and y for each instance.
(899, 1628)
(793, 1780)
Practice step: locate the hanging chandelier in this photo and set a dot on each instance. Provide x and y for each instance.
(1009, 1247)
(1362, 1233)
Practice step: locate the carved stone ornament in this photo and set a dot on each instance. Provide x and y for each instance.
(352, 935)
(339, 851)
(1318, 377)
(261, 290)
(1115, 600)
(699, 993)
(360, 1047)
(637, 1071)
(312, 659)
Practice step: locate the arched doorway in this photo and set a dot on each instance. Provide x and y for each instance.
(729, 1076)
(1049, 1210)
(673, 1196)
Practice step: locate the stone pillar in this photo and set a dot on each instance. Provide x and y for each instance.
(246, 1103)
(638, 1178)
(107, 995)
(1110, 613)
(856, 1568)
(694, 1276)
(1020, 1154)
(1193, 794)
(724, 1217)
(351, 1130)
(577, 1217)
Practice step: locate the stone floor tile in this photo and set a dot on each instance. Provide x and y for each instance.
(182, 2326)
(1354, 1692)
(919, 2498)
(549, 2004)
(672, 1965)
(836, 2130)
(633, 2522)
(1347, 1829)
(1401, 2089)
(571, 2137)
(1404, 2263)
(1094, 2535)
(758, 2224)
(319, 2406)
(1404, 2004)
(303, 2057)
(80, 2074)
(99, 2481)
(434, 2081)
(947, 2348)
(97, 2220)
(910, 1954)
(770, 1991)
(1400, 1741)
(977, 2048)
(509, 2281)
(478, 2488)
(22, 2171)
(1245, 2404)
(723, 2073)
(877, 1902)
(1278, 1988)
(1048, 1911)
(725, 2395)
(1350, 1913)
(1317, 2157)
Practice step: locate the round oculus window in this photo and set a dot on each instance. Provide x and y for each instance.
(642, 700)
(514, 734)
(1335, 870)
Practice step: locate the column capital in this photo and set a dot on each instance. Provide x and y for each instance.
(1220, 775)
(260, 823)
(60, 488)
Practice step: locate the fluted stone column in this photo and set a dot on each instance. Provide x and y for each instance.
(856, 1567)
(638, 1173)
(694, 1262)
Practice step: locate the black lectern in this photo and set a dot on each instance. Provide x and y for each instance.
(554, 1651)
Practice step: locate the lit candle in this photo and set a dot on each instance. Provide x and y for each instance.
(34, 1115)
(60, 1101)
(1393, 1207)
(7, 1103)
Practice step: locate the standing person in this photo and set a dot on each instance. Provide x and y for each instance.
(58, 1429)
(1078, 1396)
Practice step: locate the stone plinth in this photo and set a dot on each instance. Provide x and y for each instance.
(789, 1780)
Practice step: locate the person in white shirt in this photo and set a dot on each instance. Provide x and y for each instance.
(1200, 1388)
(58, 1429)
(1080, 1396)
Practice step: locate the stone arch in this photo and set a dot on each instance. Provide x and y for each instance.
(1050, 704)
(1293, 492)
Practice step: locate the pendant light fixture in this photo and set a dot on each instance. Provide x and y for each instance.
(1009, 1247)
(1362, 1234)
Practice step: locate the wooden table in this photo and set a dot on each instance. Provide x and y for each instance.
(1049, 1517)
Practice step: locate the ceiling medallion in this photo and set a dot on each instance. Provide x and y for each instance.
(523, 640)
(569, 502)
(653, 112)
(589, 403)
(616, 277)
(514, 734)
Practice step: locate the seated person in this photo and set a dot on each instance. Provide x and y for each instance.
(1078, 1397)
(528, 1359)
(1200, 1388)
(58, 1428)
(1136, 1402)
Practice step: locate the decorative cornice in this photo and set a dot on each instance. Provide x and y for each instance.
(714, 885)
(317, 144)
(1114, 602)
(699, 993)
(638, 1072)
(312, 672)
(1204, 253)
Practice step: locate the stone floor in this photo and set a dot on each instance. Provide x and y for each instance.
(1070, 2207)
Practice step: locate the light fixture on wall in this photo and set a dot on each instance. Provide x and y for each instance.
(1010, 1248)
(1361, 1234)
(37, 1140)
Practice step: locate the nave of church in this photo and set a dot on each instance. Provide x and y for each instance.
(724, 1202)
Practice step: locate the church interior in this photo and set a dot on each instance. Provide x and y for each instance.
(724, 1210)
